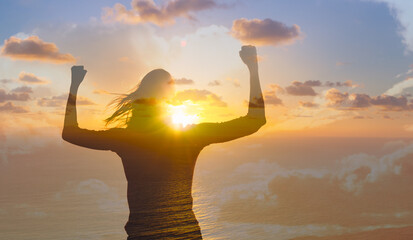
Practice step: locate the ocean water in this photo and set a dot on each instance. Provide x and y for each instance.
(240, 190)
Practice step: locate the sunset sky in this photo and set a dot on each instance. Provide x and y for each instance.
(336, 70)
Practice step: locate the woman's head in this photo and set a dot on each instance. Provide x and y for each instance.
(143, 102)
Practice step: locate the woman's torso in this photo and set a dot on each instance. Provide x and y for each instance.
(159, 168)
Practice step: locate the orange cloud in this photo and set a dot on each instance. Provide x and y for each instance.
(271, 98)
(147, 11)
(307, 104)
(33, 48)
(197, 95)
(264, 32)
(100, 92)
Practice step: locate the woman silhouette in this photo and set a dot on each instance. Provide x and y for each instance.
(159, 161)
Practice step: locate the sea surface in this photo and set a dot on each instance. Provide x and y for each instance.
(265, 189)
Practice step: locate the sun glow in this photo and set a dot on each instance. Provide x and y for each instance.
(181, 118)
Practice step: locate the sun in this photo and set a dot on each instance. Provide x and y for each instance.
(180, 117)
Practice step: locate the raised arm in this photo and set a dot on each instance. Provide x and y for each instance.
(256, 108)
(71, 131)
(250, 123)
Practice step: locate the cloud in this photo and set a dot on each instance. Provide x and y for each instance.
(33, 48)
(303, 88)
(234, 82)
(401, 10)
(6, 81)
(337, 99)
(30, 78)
(214, 83)
(277, 88)
(13, 96)
(391, 103)
(196, 95)
(101, 92)
(308, 104)
(366, 190)
(59, 101)
(22, 89)
(399, 88)
(183, 81)
(347, 83)
(340, 100)
(147, 11)
(10, 107)
(271, 98)
(264, 32)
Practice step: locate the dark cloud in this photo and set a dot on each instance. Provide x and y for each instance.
(59, 101)
(391, 103)
(337, 99)
(33, 48)
(196, 95)
(148, 11)
(30, 78)
(10, 107)
(303, 88)
(183, 81)
(13, 96)
(264, 32)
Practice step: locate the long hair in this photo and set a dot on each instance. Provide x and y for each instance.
(147, 93)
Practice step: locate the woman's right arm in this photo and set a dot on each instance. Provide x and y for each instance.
(99, 140)
(250, 123)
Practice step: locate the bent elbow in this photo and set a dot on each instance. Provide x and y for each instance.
(261, 122)
(258, 123)
(67, 134)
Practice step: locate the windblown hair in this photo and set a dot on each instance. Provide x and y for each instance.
(146, 93)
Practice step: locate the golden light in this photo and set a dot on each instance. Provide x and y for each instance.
(180, 117)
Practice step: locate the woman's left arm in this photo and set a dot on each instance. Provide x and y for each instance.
(99, 140)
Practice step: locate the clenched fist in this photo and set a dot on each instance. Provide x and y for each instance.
(78, 73)
(248, 55)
